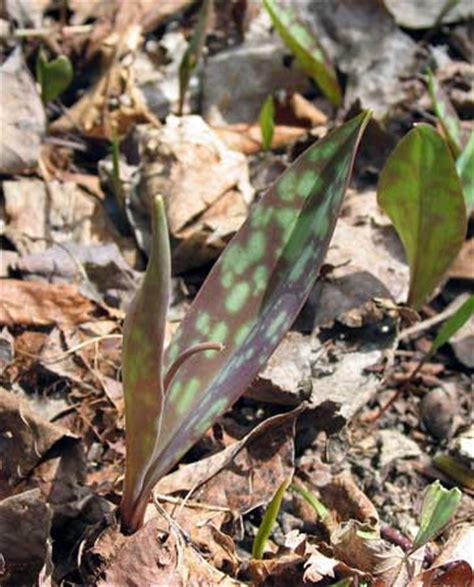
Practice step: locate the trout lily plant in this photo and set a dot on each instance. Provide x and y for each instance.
(245, 307)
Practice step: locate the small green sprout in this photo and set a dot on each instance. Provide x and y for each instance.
(53, 76)
(267, 123)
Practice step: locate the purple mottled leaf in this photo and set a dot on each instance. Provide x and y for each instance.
(142, 366)
(254, 292)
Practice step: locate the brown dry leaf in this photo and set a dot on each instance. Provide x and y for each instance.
(26, 438)
(205, 184)
(22, 117)
(153, 556)
(113, 102)
(40, 214)
(292, 110)
(149, 13)
(455, 564)
(246, 474)
(40, 304)
(284, 570)
(247, 138)
(352, 544)
(318, 567)
(343, 496)
(25, 522)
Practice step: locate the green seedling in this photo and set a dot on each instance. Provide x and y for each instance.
(268, 521)
(421, 192)
(309, 54)
(53, 76)
(267, 123)
(446, 115)
(465, 169)
(273, 509)
(453, 324)
(439, 506)
(246, 305)
(463, 152)
(193, 52)
(320, 509)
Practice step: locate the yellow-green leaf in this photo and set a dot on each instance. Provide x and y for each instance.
(308, 52)
(439, 505)
(267, 124)
(53, 76)
(268, 521)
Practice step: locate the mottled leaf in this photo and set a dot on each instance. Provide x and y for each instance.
(306, 49)
(453, 324)
(53, 76)
(439, 505)
(465, 167)
(268, 521)
(254, 292)
(446, 114)
(193, 52)
(267, 123)
(420, 191)
(142, 366)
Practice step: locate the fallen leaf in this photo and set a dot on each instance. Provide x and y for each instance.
(39, 215)
(22, 117)
(25, 439)
(25, 522)
(455, 564)
(102, 272)
(114, 102)
(39, 304)
(246, 474)
(185, 156)
(155, 555)
(343, 496)
(247, 138)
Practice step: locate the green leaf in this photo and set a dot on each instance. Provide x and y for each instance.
(446, 114)
(308, 52)
(439, 505)
(254, 293)
(420, 190)
(193, 52)
(453, 324)
(53, 76)
(267, 124)
(465, 167)
(268, 521)
(142, 367)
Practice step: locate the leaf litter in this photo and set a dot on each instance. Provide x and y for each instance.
(73, 254)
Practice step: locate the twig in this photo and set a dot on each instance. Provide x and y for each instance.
(70, 351)
(430, 322)
(82, 29)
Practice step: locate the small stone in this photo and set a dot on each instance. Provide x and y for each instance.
(437, 410)
(395, 445)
